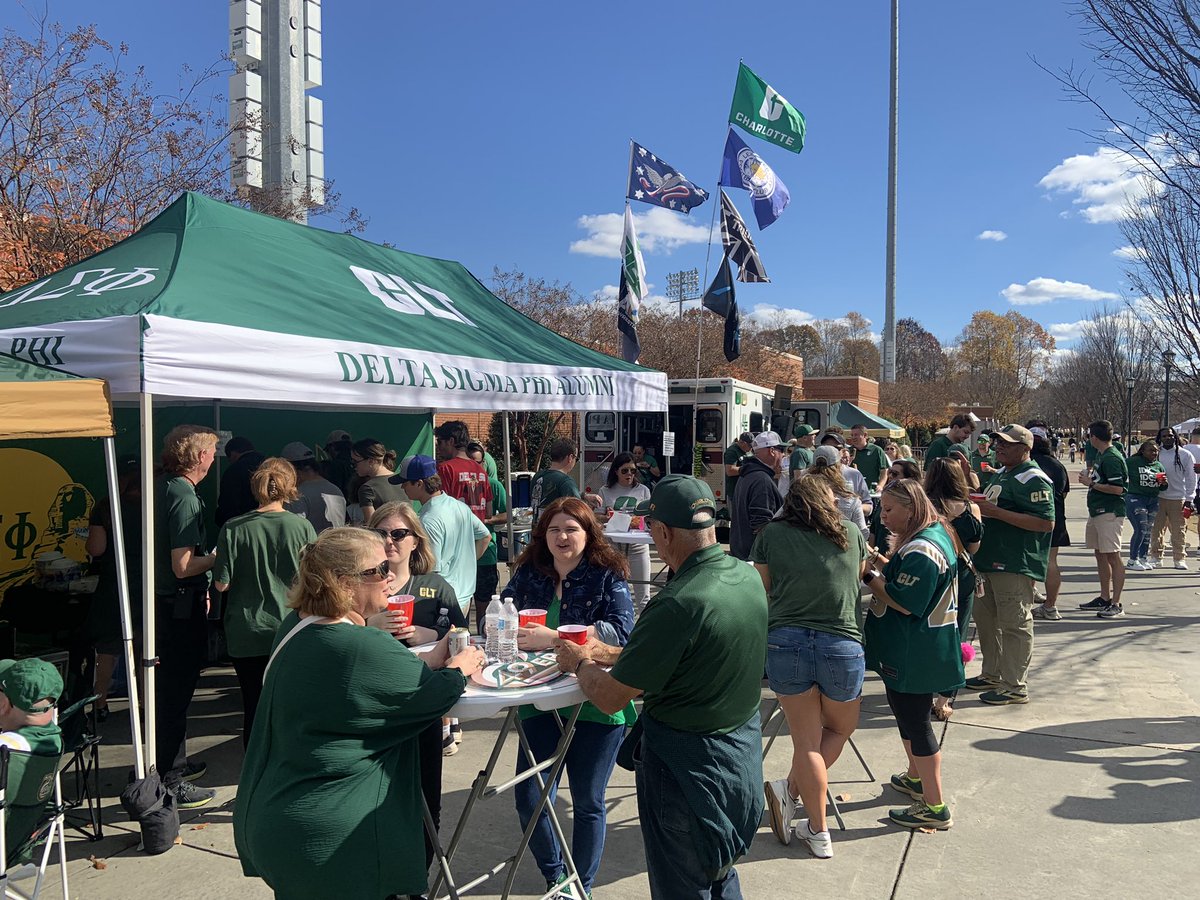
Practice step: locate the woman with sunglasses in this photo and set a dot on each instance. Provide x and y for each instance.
(621, 493)
(257, 556)
(572, 571)
(330, 795)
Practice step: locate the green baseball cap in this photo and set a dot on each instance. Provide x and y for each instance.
(681, 501)
(26, 682)
(959, 448)
(803, 430)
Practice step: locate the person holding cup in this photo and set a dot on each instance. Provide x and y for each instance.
(1147, 479)
(578, 578)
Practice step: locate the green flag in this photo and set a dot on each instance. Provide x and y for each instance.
(762, 111)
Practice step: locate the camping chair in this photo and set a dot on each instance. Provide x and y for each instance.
(31, 820)
(81, 758)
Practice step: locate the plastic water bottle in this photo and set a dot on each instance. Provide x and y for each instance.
(508, 632)
(492, 622)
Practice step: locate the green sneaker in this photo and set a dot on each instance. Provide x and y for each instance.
(921, 816)
(979, 683)
(906, 785)
(1003, 698)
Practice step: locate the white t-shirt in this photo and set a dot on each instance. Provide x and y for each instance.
(624, 499)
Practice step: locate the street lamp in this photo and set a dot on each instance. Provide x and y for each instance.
(1168, 358)
(1130, 382)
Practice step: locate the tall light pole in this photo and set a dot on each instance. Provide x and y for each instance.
(1130, 383)
(683, 286)
(1168, 358)
(887, 356)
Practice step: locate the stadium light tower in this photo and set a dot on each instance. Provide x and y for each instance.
(887, 356)
(278, 149)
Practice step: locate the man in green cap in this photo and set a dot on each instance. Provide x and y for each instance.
(697, 656)
(29, 692)
(982, 455)
(802, 456)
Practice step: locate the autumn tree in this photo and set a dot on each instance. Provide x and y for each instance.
(999, 359)
(919, 354)
(800, 340)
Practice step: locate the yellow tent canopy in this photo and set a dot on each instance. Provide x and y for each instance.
(37, 402)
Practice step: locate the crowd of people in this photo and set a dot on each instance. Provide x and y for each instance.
(345, 729)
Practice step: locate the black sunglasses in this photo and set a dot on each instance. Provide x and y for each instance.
(396, 534)
(380, 571)
(627, 470)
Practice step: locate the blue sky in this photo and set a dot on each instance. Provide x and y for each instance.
(497, 134)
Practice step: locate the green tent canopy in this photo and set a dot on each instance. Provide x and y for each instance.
(847, 415)
(214, 301)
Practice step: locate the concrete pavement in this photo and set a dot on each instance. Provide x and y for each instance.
(1092, 787)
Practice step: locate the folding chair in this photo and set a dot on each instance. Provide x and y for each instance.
(31, 820)
(81, 760)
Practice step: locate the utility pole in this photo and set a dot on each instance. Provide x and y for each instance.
(278, 147)
(887, 356)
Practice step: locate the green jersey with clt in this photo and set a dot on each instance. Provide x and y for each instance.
(1023, 488)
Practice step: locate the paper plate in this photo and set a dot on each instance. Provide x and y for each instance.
(527, 670)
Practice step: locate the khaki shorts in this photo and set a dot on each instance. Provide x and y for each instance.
(1103, 533)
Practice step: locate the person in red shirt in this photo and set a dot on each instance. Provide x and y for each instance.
(462, 477)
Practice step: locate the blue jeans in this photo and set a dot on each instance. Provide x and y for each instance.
(1141, 512)
(798, 658)
(590, 761)
(675, 870)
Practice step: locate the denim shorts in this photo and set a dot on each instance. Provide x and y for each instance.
(798, 658)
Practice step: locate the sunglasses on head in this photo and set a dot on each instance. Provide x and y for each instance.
(396, 534)
(380, 571)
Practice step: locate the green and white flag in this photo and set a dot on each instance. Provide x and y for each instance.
(762, 111)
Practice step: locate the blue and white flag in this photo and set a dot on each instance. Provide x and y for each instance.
(652, 181)
(632, 291)
(742, 168)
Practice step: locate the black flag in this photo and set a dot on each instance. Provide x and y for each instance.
(738, 246)
(719, 298)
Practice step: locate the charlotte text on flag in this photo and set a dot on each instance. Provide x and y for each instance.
(653, 181)
(632, 291)
(738, 246)
(742, 168)
(720, 298)
(763, 112)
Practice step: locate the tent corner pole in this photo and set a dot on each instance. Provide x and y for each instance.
(117, 538)
(146, 408)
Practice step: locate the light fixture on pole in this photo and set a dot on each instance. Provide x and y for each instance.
(1130, 383)
(1168, 359)
(683, 286)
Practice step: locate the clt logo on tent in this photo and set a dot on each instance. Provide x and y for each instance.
(399, 295)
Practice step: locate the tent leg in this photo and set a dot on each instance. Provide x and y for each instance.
(146, 403)
(118, 546)
(508, 483)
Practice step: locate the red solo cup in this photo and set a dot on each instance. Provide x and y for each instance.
(976, 497)
(1160, 477)
(576, 634)
(403, 603)
(530, 617)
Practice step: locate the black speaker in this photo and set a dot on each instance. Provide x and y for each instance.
(783, 397)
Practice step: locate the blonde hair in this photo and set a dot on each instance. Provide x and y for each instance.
(810, 504)
(183, 445)
(321, 586)
(908, 492)
(832, 475)
(422, 560)
(274, 479)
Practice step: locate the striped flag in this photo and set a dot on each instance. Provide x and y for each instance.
(632, 290)
(738, 246)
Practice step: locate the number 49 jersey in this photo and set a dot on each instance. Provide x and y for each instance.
(1006, 548)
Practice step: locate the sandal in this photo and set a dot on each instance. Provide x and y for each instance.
(942, 710)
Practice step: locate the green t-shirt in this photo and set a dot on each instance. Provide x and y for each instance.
(919, 653)
(1089, 453)
(938, 447)
(699, 649)
(548, 485)
(257, 556)
(499, 505)
(802, 458)
(1025, 488)
(871, 461)
(733, 457)
(1110, 468)
(813, 583)
(643, 472)
(978, 459)
(1141, 476)
(179, 524)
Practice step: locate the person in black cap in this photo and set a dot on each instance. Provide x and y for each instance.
(697, 656)
(235, 496)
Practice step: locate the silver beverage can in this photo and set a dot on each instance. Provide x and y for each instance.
(460, 640)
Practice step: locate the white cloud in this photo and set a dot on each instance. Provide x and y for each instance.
(1047, 290)
(764, 313)
(991, 235)
(1128, 252)
(1104, 183)
(1067, 331)
(607, 295)
(658, 230)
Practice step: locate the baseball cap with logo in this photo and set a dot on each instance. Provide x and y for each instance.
(803, 430)
(30, 683)
(418, 468)
(1014, 434)
(681, 501)
(768, 439)
(297, 451)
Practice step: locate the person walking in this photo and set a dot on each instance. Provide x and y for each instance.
(1018, 516)
(1047, 461)
(1106, 485)
(1147, 481)
(911, 639)
(810, 560)
(1179, 464)
(757, 498)
(697, 655)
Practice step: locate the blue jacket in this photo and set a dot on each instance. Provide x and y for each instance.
(591, 595)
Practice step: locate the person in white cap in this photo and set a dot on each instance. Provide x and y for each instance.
(321, 501)
(756, 498)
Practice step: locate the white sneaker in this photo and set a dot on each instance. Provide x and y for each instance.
(1046, 612)
(1129, 564)
(820, 843)
(782, 809)
(1153, 562)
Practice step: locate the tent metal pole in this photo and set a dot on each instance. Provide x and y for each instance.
(117, 538)
(579, 438)
(146, 404)
(508, 486)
